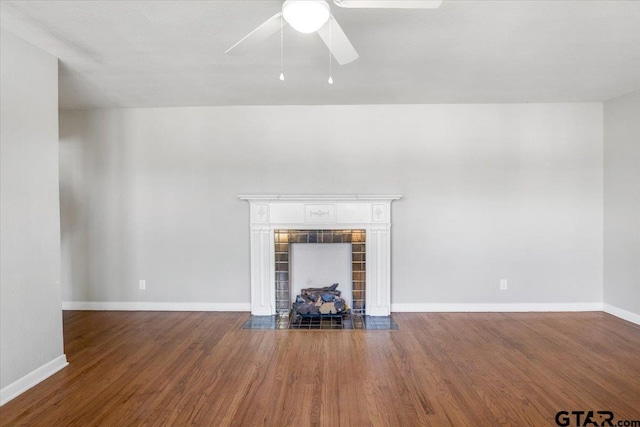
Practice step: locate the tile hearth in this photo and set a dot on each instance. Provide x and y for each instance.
(346, 322)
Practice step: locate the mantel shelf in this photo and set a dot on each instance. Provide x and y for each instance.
(323, 197)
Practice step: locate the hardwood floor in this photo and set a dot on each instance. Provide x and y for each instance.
(164, 368)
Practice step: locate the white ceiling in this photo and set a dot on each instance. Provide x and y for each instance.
(171, 53)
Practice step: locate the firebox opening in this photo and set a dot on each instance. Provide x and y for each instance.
(316, 265)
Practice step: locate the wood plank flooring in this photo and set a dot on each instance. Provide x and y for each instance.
(476, 369)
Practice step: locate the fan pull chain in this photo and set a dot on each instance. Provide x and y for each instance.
(281, 49)
(330, 78)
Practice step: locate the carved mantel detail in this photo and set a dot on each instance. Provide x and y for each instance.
(321, 212)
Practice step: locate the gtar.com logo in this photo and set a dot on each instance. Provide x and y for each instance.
(591, 418)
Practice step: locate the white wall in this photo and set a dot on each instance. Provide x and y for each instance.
(622, 204)
(490, 192)
(30, 305)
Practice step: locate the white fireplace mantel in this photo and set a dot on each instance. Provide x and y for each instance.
(321, 212)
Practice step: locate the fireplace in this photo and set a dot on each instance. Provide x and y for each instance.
(278, 221)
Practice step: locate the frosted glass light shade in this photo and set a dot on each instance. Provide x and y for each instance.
(306, 16)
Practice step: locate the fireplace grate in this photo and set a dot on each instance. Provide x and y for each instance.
(318, 322)
(345, 322)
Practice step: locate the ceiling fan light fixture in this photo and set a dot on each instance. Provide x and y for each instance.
(306, 16)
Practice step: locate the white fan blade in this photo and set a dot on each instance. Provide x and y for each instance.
(257, 36)
(337, 42)
(389, 4)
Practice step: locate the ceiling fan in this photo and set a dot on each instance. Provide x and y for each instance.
(308, 16)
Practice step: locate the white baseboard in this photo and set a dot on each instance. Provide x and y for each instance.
(498, 307)
(32, 378)
(398, 308)
(154, 306)
(621, 313)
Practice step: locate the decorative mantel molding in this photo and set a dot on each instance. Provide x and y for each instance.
(321, 212)
(312, 197)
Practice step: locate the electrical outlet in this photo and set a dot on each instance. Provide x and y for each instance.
(143, 285)
(503, 284)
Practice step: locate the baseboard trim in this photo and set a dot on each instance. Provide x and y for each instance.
(18, 387)
(398, 308)
(498, 308)
(629, 316)
(154, 306)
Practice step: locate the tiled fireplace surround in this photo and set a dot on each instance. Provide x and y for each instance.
(277, 221)
(285, 238)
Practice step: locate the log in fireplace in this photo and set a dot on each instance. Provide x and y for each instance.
(320, 302)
